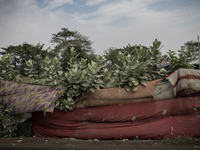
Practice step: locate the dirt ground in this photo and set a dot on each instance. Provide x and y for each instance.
(36, 143)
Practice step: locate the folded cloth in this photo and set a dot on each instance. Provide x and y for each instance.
(185, 82)
(23, 97)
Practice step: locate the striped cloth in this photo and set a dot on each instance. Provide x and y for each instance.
(22, 97)
(185, 82)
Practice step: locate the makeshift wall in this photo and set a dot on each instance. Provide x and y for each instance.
(157, 89)
(148, 120)
(24, 97)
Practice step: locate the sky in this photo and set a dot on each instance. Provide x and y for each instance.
(107, 23)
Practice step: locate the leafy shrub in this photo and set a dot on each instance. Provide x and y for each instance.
(131, 72)
(180, 61)
(7, 70)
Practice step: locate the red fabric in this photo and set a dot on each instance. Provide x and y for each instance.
(148, 120)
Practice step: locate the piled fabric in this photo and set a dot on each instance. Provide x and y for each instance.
(22, 97)
(185, 82)
(147, 120)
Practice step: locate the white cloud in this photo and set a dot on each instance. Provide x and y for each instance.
(114, 24)
(94, 2)
(57, 3)
(172, 28)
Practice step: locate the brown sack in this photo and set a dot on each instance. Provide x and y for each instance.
(113, 96)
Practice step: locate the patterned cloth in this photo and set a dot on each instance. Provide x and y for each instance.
(185, 82)
(24, 97)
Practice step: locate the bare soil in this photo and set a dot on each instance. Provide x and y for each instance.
(37, 143)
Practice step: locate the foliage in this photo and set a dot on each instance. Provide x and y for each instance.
(140, 67)
(180, 61)
(51, 73)
(66, 39)
(22, 53)
(97, 75)
(82, 77)
(131, 49)
(74, 79)
(111, 55)
(191, 48)
(7, 72)
(5, 116)
(131, 72)
(156, 58)
(141, 53)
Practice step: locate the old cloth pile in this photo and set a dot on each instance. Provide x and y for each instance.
(22, 97)
(185, 82)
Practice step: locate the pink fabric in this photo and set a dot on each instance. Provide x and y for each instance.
(148, 120)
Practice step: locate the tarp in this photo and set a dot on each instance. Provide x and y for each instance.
(113, 96)
(147, 120)
(22, 97)
(185, 82)
(157, 89)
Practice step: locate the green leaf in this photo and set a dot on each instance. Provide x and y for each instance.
(121, 56)
(86, 85)
(143, 77)
(98, 81)
(135, 83)
(127, 88)
(99, 76)
(143, 82)
(76, 86)
(97, 86)
(69, 107)
(78, 93)
(134, 67)
(92, 89)
(117, 66)
(134, 89)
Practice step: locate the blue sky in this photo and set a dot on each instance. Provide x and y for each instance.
(108, 23)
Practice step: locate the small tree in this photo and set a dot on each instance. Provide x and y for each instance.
(111, 55)
(191, 48)
(66, 39)
(180, 61)
(22, 53)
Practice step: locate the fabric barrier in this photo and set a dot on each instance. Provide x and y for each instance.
(23, 97)
(147, 120)
(185, 82)
(113, 96)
